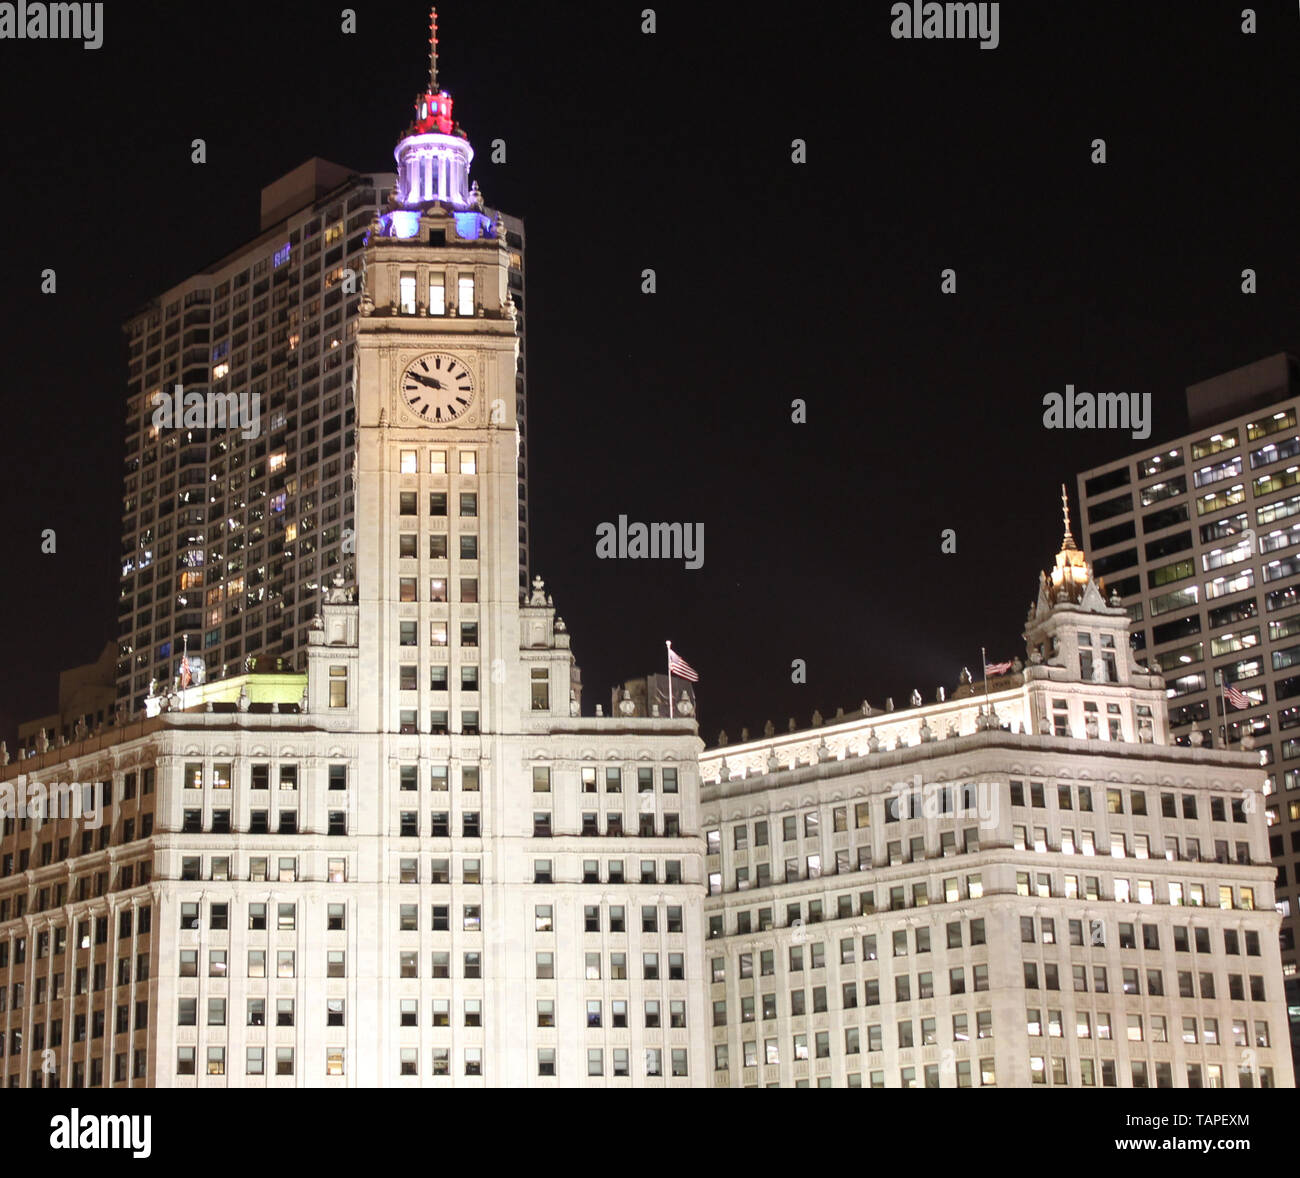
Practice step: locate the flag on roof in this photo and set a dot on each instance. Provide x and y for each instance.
(680, 667)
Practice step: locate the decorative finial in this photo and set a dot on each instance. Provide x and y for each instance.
(433, 50)
(1065, 513)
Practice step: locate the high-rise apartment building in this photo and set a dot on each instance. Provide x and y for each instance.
(1200, 538)
(1020, 886)
(229, 536)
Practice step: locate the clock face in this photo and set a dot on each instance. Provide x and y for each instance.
(438, 388)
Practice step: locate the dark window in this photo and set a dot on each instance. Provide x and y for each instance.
(1178, 628)
(1238, 611)
(1105, 565)
(1119, 477)
(1166, 517)
(1108, 536)
(1168, 545)
(1110, 508)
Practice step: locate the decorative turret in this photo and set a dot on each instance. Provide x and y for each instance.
(1082, 677)
(1070, 625)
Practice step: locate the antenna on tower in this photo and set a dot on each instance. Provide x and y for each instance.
(433, 51)
(1065, 513)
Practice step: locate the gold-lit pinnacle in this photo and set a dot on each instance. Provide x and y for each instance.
(1071, 574)
(1065, 513)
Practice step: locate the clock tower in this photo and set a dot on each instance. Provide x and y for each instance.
(507, 837)
(438, 451)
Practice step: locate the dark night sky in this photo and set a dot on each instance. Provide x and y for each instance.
(775, 281)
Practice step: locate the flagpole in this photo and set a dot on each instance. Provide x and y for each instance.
(669, 645)
(984, 666)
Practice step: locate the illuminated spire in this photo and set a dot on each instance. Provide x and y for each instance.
(433, 51)
(1065, 512)
(1072, 573)
(433, 107)
(434, 155)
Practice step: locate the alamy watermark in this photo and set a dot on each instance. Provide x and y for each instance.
(1080, 410)
(912, 799)
(124, 1131)
(182, 410)
(638, 541)
(53, 22)
(924, 20)
(82, 801)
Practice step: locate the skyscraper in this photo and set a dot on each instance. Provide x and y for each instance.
(1198, 535)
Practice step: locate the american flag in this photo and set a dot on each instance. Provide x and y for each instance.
(680, 667)
(1236, 698)
(186, 675)
(997, 668)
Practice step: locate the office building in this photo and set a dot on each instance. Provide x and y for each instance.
(1017, 887)
(1200, 537)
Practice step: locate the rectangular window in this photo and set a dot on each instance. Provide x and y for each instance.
(541, 689)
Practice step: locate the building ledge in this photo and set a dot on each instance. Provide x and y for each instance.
(919, 754)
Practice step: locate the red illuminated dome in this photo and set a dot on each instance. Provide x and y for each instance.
(433, 114)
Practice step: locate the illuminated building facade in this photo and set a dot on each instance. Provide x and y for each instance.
(408, 860)
(1013, 887)
(415, 864)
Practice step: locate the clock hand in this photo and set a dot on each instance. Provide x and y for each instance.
(426, 380)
